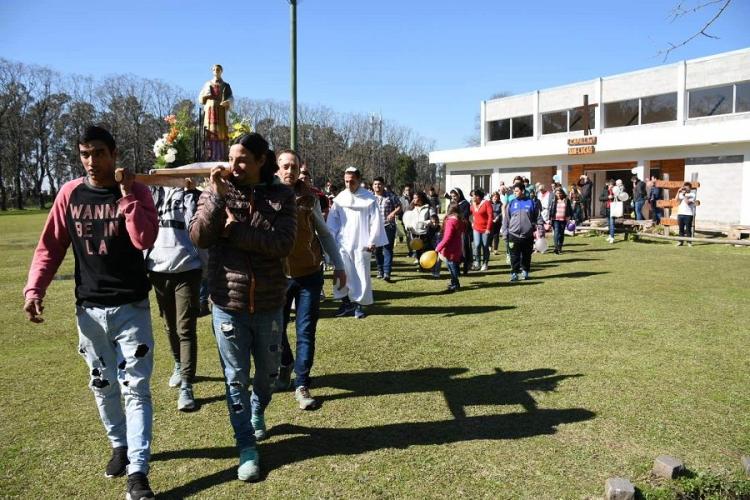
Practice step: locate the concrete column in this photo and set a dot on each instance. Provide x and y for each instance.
(681, 93)
(745, 203)
(483, 124)
(562, 175)
(598, 112)
(643, 169)
(536, 117)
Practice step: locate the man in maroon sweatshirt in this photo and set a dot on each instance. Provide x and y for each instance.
(108, 224)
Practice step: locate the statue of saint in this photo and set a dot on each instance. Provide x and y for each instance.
(216, 99)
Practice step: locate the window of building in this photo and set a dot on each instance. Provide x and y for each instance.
(522, 126)
(710, 102)
(499, 130)
(481, 182)
(576, 119)
(555, 122)
(742, 103)
(659, 108)
(621, 113)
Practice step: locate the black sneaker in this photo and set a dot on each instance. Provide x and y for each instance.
(138, 487)
(345, 309)
(118, 463)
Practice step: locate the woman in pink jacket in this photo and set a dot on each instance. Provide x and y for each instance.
(450, 247)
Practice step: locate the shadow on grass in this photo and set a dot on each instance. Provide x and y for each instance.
(304, 443)
(561, 260)
(590, 250)
(201, 402)
(576, 274)
(507, 283)
(205, 378)
(380, 309)
(499, 388)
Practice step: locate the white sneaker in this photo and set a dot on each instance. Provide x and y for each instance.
(175, 380)
(610, 240)
(303, 397)
(484, 267)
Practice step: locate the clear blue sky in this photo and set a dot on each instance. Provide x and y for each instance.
(423, 64)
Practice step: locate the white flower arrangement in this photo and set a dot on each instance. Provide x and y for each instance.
(175, 145)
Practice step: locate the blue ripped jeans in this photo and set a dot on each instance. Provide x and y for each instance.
(240, 336)
(118, 346)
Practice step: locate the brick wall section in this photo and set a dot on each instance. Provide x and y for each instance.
(543, 175)
(675, 169)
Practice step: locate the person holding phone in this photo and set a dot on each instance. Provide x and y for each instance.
(686, 211)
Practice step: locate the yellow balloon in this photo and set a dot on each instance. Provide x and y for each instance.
(428, 259)
(416, 244)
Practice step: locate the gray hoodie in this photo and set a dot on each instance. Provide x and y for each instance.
(173, 251)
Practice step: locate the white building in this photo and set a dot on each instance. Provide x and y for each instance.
(688, 120)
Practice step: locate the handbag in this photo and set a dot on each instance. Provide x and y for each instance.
(615, 209)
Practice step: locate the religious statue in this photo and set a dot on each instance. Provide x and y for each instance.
(216, 99)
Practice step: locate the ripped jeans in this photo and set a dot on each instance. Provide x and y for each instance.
(240, 335)
(118, 346)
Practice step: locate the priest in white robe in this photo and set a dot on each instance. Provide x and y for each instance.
(357, 224)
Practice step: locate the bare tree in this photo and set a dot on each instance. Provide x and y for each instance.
(42, 115)
(681, 11)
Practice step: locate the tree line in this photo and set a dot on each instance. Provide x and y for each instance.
(42, 112)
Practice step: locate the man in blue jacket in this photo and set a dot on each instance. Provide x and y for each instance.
(521, 219)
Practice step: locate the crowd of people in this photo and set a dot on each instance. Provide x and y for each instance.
(257, 240)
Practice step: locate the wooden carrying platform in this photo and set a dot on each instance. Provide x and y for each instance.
(176, 177)
(676, 184)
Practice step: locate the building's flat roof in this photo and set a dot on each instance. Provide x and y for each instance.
(627, 73)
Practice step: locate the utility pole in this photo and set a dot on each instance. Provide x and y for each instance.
(378, 119)
(293, 107)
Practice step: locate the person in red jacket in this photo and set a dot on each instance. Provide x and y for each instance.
(109, 224)
(481, 214)
(450, 247)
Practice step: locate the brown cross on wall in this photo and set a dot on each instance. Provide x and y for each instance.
(585, 114)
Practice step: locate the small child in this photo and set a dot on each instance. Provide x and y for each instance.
(432, 238)
(450, 247)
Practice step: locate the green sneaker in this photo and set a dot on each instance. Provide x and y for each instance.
(259, 424)
(249, 469)
(175, 380)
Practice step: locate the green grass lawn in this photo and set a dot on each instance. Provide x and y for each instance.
(609, 356)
